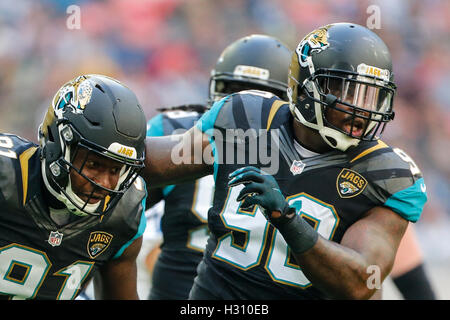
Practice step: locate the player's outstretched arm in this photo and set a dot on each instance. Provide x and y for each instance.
(117, 280)
(177, 158)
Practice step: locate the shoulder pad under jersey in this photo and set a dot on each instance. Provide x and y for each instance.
(244, 110)
(15, 171)
(171, 122)
(128, 216)
(393, 179)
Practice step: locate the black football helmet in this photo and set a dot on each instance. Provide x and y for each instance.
(99, 114)
(342, 64)
(256, 62)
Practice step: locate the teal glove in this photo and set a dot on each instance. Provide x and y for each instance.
(263, 190)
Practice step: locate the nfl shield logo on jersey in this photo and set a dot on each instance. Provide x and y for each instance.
(297, 167)
(98, 242)
(55, 238)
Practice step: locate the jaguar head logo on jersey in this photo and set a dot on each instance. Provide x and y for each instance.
(98, 242)
(315, 41)
(347, 188)
(350, 183)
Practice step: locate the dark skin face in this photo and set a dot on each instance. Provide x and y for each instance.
(349, 120)
(103, 171)
(312, 140)
(116, 279)
(309, 138)
(343, 120)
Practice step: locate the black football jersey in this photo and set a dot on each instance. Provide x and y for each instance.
(246, 257)
(40, 259)
(184, 222)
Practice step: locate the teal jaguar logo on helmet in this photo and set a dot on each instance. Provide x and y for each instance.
(315, 41)
(75, 94)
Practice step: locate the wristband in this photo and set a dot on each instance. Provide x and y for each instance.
(298, 234)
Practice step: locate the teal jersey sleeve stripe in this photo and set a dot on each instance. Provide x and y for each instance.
(140, 231)
(168, 189)
(206, 125)
(409, 202)
(207, 120)
(155, 126)
(216, 161)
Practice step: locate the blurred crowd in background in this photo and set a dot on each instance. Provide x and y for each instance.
(165, 49)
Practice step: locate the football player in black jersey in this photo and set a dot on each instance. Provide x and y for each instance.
(72, 206)
(327, 221)
(252, 62)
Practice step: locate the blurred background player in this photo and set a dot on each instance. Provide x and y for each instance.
(252, 62)
(409, 273)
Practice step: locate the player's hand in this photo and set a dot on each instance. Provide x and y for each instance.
(261, 189)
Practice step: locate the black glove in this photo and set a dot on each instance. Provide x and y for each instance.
(263, 190)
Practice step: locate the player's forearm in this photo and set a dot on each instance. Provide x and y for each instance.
(117, 280)
(169, 160)
(337, 270)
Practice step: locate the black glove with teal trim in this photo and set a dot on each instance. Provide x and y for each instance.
(263, 190)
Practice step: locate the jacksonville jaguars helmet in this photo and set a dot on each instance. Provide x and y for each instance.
(253, 62)
(348, 68)
(103, 116)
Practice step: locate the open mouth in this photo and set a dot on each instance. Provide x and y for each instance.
(91, 199)
(355, 130)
